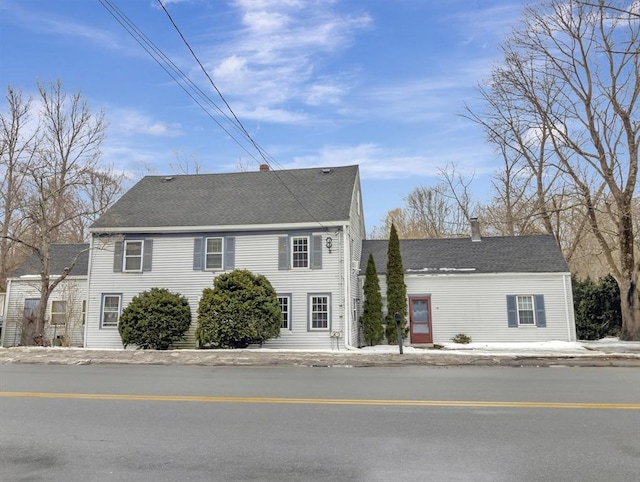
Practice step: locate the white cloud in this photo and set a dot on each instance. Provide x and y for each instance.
(324, 93)
(274, 59)
(265, 22)
(268, 114)
(129, 122)
(166, 3)
(378, 162)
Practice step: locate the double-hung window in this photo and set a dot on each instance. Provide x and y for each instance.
(132, 256)
(526, 310)
(111, 306)
(319, 312)
(58, 312)
(285, 308)
(526, 315)
(213, 254)
(300, 252)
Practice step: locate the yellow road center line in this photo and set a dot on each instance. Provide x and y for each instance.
(322, 401)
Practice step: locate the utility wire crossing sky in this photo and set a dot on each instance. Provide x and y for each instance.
(310, 84)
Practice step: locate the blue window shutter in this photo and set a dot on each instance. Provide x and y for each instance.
(198, 264)
(148, 255)
(541, 317)
(229, 252)
(512, 312)
(117, 257)
(283, 252)
(316, 252)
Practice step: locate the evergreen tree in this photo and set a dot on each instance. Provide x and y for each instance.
(371, 318)
(597, 307)
(396, 289)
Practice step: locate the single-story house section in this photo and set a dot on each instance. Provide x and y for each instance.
(493, 289)
(67, 304)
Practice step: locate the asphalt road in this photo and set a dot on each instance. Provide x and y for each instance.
(175, 423)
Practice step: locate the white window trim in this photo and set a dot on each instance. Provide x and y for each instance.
(533, 309)
(308, 239)
(102, 311)
(124, 256)
(206, 253)
(64, 313)
(288, 297)
(311, 312)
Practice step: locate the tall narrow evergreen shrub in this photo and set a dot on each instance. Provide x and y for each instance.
(396, 289)
(371, 317)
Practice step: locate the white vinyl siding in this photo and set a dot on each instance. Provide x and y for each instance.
(474, 304)
(72, 290)
(174, 268)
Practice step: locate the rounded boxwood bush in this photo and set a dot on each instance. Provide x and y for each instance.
(155, 319)
(241, 309)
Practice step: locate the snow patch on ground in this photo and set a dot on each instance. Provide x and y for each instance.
(606, 346)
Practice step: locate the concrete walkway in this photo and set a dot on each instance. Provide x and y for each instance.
(342, 358)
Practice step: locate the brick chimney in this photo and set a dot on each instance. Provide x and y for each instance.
(264, 167)
(475, 229)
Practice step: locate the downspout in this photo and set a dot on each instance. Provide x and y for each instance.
(347, 294)
(88, 290)
(566, 306)
(5, 310)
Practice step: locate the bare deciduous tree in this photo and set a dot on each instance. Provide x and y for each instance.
(439, 211)
(186, 162)
(62, 186)
(566, 94)
(17, 146)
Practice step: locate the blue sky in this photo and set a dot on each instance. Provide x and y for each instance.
(381, 83)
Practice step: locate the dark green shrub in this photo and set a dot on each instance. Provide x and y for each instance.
(241, 309)
(462, 339)
(155, 320)
(597, 308)
(371, 317)
(396, 289)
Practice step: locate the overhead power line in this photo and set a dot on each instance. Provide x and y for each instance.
(196, 93)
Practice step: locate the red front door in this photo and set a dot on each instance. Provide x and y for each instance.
(420, 319)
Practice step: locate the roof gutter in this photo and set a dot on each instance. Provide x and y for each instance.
(215, 228)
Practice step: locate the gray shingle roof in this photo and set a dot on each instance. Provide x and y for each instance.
(502, 254)
(62, 255)
(242, 198)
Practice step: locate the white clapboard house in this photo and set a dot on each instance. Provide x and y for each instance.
(66, 307)
(493, 289)
(304, 230)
